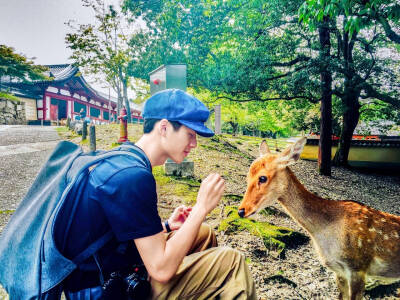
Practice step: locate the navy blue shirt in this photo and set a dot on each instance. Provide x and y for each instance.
(121, 196)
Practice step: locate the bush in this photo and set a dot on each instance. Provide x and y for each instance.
(4, 95)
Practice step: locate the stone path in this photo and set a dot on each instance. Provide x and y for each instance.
(23, 150)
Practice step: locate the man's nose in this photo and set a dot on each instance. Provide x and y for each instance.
(193, 142)
(241, 212)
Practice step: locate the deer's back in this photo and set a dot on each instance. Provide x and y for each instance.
(366, 240)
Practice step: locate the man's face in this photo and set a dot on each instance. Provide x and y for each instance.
(179, 143)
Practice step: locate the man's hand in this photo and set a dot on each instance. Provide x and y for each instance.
(162, 257)
(210, 193)
(179, 217)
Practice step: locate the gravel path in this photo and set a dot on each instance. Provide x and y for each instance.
(23, 150)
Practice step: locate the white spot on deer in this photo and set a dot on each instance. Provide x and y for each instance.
(386, 237)
(372, 229)
(359, 221)
(395, 234)
(369, 241)
(377, 265)
(361, 229)
(379, 231)
(359, 242)
(383, 220)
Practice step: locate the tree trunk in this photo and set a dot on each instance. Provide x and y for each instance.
(234, 127)
(119, 101)
(124, 82)
(351, 113)
(325, 141)
(351, 116)
(126, 100)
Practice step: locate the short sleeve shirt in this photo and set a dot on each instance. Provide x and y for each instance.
(121, 196)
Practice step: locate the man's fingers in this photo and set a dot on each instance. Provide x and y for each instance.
(214, 178)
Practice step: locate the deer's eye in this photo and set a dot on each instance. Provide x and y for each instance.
(262, 179)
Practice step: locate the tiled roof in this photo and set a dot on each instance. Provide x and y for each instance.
(63, 75)
(61, 72)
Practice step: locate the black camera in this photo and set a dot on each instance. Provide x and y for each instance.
(133, 286)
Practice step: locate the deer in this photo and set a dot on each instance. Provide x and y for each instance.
(360, 244)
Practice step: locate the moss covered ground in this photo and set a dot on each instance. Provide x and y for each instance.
(275, 238)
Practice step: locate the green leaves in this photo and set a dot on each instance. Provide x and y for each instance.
(108, 48)
(259, 51)
(18, 66)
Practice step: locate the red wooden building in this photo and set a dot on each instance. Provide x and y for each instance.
(64, 96)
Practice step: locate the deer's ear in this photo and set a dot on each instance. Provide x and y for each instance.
(264, 149)
(292, 153)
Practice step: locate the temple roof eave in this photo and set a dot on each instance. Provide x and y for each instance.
(64, 76)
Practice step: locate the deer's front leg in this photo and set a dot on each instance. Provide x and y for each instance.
(343, 286)
(357, 285)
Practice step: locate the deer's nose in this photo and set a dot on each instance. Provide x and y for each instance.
(241, 212)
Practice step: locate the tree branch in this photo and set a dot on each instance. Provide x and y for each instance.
(393, 36)
(285, 74)
(266, 99)
(292, 62)
(372, 93)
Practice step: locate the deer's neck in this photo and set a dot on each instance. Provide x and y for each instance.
(310, 211)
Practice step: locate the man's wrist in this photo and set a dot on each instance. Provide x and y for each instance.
(199, 210)
(166, 225)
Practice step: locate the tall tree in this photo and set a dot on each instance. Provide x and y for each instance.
(102, 48)
(356, 61)
(325, 141)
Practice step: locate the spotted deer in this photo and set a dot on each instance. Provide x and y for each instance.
(359, 243)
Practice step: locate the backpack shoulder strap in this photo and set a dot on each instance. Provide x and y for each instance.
(130, 147)
(93, 248)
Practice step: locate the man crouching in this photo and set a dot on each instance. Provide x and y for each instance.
(180, 256)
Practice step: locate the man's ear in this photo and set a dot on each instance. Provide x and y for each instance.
(162, 127)
(264, 149)
(292, 153)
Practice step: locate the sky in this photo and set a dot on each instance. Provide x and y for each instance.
(36, 28)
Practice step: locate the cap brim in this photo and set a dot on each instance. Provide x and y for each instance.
(199, 127)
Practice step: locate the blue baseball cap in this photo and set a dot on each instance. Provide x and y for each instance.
(177, 105)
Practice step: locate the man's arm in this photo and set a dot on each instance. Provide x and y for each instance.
(162, 258)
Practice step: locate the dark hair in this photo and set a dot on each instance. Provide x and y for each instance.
(148, 125)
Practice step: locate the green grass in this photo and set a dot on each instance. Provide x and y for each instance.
(274, 238)
(62, 129)
(65, 133)
(185, 188)
(159, 175)
(115, 144)
(7, 211)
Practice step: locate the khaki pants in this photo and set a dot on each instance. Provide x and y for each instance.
(208, 272)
